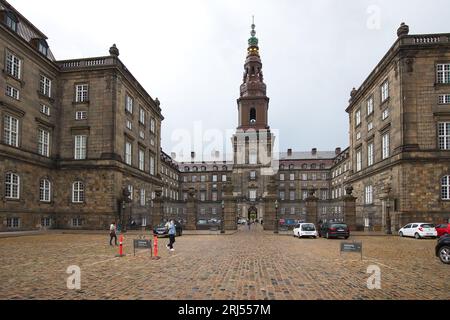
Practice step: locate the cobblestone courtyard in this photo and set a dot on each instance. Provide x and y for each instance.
(246, 265)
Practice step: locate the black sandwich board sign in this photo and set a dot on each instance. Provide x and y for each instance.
(351, 247)
(142, 243)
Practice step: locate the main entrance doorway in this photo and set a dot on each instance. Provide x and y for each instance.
(252, 213)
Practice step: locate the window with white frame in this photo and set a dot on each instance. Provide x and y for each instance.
(292, 177)
(128, 153)
(358, 117)
(252, 194)
(152, 125)
(12, 186)
(253, 158)
(142, 115)
(292, 195)
(281, 176)
(45, 86)
(304, 176)
(370, 154)
(358, 136)
(214, 196)
(445, 188)
(253, 175)
(224, 178)
(214, 178)
(80, 115)
(369, 126)
(129, 125)
(13, 65)
(370, 106)
(152, 142)
(152, 165)
(385, 114)
(142, 197)
(46, 222)
(305, 195)
(80, 147)
(444, 135)
(202, 196)
(82, 93)
(369, 195)
(43, 142)
(45, 190)
(141, 160)
(384, 91)
(203, 178)
(142, 134)
(13, 223)
(444, 99)
(131, 191)
(11, 131)
(292, 210)
(385, 145)
(129, 104)
(358, 160)
(443, 73)
(12, 92)
(45, 109)
(77, 222)
(282, 195)
(78, 192)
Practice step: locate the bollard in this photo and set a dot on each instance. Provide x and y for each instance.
(120, 247)
(155, 247)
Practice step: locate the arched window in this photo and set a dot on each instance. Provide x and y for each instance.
(45, 189)
(313, 166)
(78, 192)
(445, 188)
(252, 115)
(12, 186)
(195, 169)
(322, 166)
(203, 168)
(304, 166)
(224, 168)
(291, 167)
(281, 166)
(216, 168)
(186, 169)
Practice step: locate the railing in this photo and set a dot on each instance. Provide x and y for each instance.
(70, 64)
(429, 39)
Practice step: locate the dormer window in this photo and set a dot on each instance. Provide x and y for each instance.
(11, 20)
(43, 47)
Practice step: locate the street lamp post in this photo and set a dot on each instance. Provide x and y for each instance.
(222, 222)
(388, 218)
(276, 216)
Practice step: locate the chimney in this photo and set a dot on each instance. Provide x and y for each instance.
(314, 151)
(192, 155)
(338, 150)
(289, 153)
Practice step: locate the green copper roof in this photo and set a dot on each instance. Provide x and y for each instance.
(253, 41)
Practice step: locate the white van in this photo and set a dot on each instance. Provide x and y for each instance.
(305, 230)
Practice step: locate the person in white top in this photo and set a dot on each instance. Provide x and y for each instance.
(112, 234)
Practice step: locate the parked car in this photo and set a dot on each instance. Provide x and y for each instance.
(443, 249)
(305, 230)
(242, 221)
(418, 230)
(443, 229)
(334, 230)
(206, 224)
(162, 231)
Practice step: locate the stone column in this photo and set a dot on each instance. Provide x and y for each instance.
(230, 212)
(191, 223)
(157, 213)
(312, 207)
(269, 205)
(349, 208)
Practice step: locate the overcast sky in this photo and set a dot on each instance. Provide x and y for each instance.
(190, 54)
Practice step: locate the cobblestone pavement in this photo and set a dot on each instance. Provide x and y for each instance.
(246, 265)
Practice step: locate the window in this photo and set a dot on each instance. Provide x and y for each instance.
(368, 195)
(46, 222)
(358, 160)
(314, 176)
(45, 109)
(80, 147)
(13, 65)
(78, 192)
(443, 73)
(142, 134)
(203, 178)
(12, 186)
(370, 154)
(252, 195)
(142, 115)
(214, 178)
(445, 188)
(292, 195)
(194, 178)
(358, 136)
(77, 222)
(152, 125)
(152, 165)
(281, 176)
(384, 91)
(304, 176)
(224, 178)
(81, 93)
(358, 117)
(45, 86)
(142, 197)
(252, 175)
(129, 125)
(292, 177)
(128, 153)
(305, 195)
(12, 92)
(43, 47)
(11, 131)
(385, 114)
(385, 146)
(13, 223)
(43, 142)
(253, 157)
(214, 196)
(444, 99)
(152, 142)
(444, 135)
(203, 196)
(370, 106)
(130, 190)
(369, 126)
(282, 195)
(11, 21)
(80, 115)
(129, 104)
(44, 190)
(141, 160)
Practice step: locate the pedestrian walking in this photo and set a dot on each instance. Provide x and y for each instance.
(172, 232)
(249, 223)
(112, 234)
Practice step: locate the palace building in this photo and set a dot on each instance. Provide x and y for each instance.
(81, 146)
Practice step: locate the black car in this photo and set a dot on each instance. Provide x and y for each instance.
(162, 231)
(334, 230)
(443, 249)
